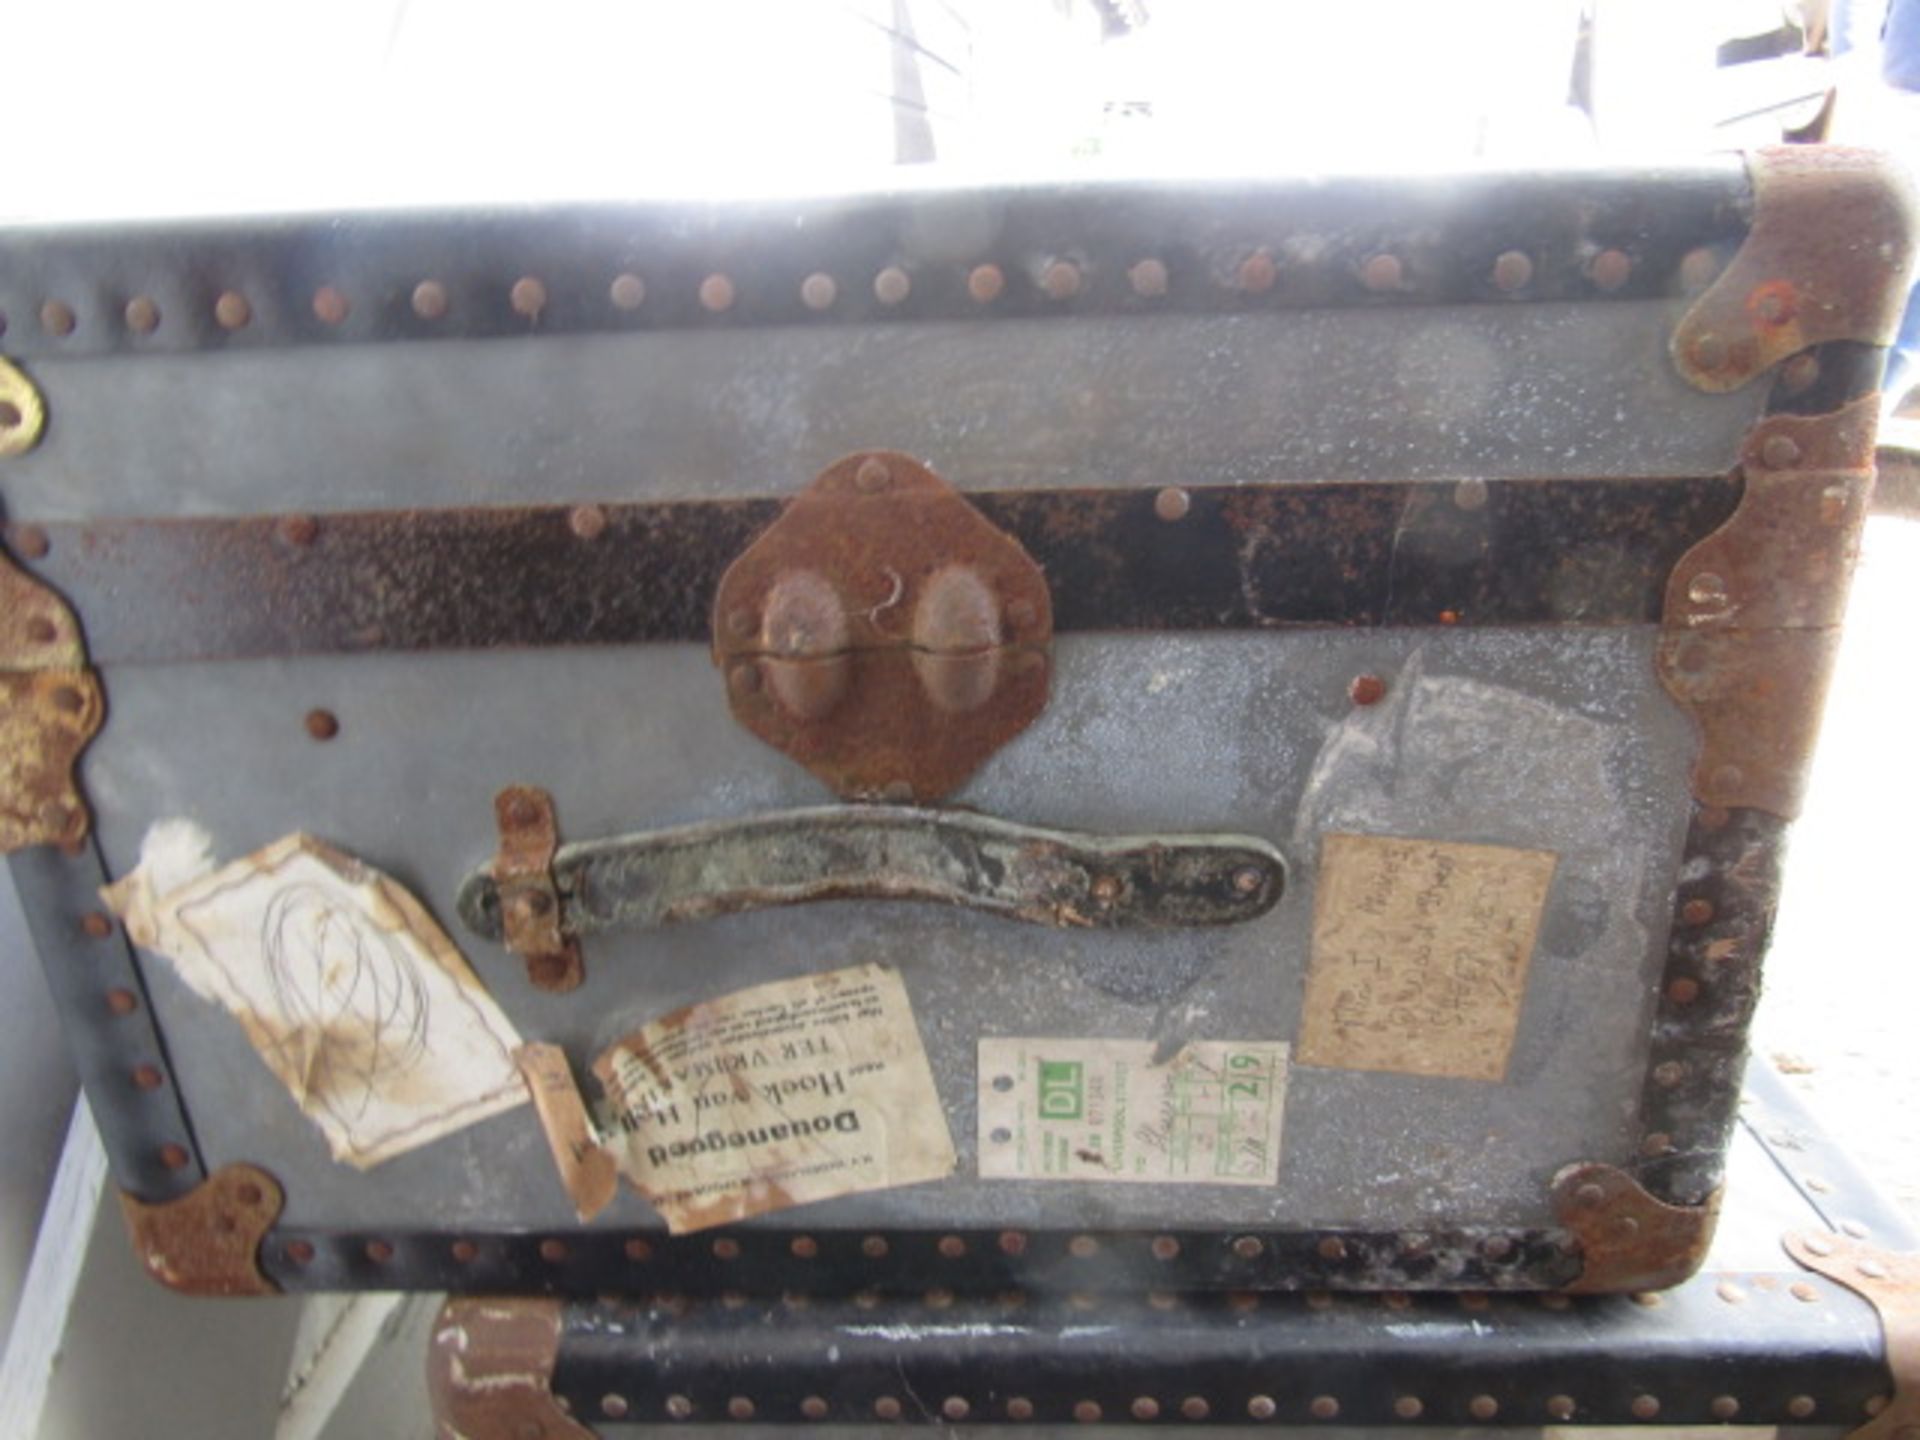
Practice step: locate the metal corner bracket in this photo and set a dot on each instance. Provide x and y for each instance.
(529, 898)
(490, 1372)
(208, 1241)
(1751, 623)
(1629, 1240)
(1826, 259)
(51, 706)
(1889, 1282)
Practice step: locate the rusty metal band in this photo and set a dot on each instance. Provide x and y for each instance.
(1250, 557)
(1036, 251)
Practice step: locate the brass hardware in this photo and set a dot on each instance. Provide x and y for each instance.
(1628, 1240)
(1827, 258)
(208, 1241)
(883, 633)
(23, 415)
(51, 705)
(529, 903)
(1889, 1282)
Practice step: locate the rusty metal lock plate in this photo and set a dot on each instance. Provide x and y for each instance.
(883, 633)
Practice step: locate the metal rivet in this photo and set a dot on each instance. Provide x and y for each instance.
(1724, 1407)
(614, 1407)
(1814, 1245)
(1610, 269)
(1319, 1300)
(818, 291)
(299, 531)
(955, 1407)
(1800, 1406)
(952, 1247)
(1803, 1292)
(329, 305)
(1382, 272)
(716, 293)
(1012, 1242)
(1707, 588)
(938, 1299)
(1148, 279)
(1872, 1269)
(300, 1252)
(1779, 452)
(726, 1248)
(740, 1408)
(1816, 1184)
(1560, 1407)
(1248, 1247)
(1261, 1407)
(1163, 1299)
(322, 724)
(142, 315)
(1324, 1407)
(1083, 1247)
(430, 300)
(588, 522)
(1775, 302)
(1698, 268)
(887, 1408)
(1242, 1301)
(679, 1407)
(866, 1299)
(1332, 1247)
(1556, 1302)
(29, 541)
(638, 1250)
(1669, 1073)
(1195, 1408)
(1644, 1407)
(985, 282)
(1257, 273)
(874, 1246)
(379, 1251)
(1496, 1247)
(1165, 1247)
(42, 631)
(1172, 503)
(892, 285)
(1854, 1228)
(465, 1251)
(1697, 911)
(528, 297)
(1366, 690)
(1145, 1407)
(1248, 881)
(1470, 495)
(147, 1077)
(231, 310)
(1730, 1292)
(1799, 374)
(122, 1002)
(57, 318)
(1483, 1407)
(627, 292)
(804, 1247)
(553, 1251)
(1019, 1408)
(1061, 280)
(68, 700)
(1709, 351)
(872, 477)
(1409, 1407)
(96, 925)
(744, 679)
(814, 1408)
(1512, 270)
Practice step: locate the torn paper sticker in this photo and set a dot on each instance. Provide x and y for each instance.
(351, 993)
(1420, 954)
(784, 1094)
(1207, 1114)
(587, 1171)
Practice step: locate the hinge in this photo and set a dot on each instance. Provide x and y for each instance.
(50, 707)
(208, 1241)
(1889, 1282)
(490, 1372)
(1629, 1240)
(529, 900)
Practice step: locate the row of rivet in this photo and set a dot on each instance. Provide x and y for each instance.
(956, 1408)
(1057, 280)
(121, 1002)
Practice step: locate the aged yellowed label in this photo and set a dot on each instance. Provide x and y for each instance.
(350, 992)
(1420, 955)
(784, 1094)
(1208, 1114)
(586, 1170)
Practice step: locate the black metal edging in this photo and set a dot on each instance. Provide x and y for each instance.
(1232, 557)
(925, 254)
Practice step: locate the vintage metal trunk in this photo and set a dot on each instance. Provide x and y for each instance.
(1292, 691)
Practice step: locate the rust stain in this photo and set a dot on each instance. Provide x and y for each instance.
(1827, 258)
(208, 1241)
(51, 706)
(1629, 1240)
(529, 899)
(883, 632)
(1750, 628)
(490, 1372)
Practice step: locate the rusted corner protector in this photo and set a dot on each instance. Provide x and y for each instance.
(1752, 613)
(208, 1241)
(51, 706)
(529, 898)
(490, 1372)
(1890, 1282)
(1827, 258)
(1629, 1240)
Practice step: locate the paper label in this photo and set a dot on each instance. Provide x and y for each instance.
(1420, 955)
(1209, 1114)
(586, 1170)
(784, 1094)
(344, 984)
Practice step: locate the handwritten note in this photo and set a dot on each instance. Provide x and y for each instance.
(1420, 955)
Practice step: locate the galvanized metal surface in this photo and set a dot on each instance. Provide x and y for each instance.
(1487, 392)
(1547, 738)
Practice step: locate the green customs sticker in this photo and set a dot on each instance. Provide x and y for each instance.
(1208, 1114)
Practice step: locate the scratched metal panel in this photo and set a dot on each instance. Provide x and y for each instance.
(1496, 391)
(1551, 738)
